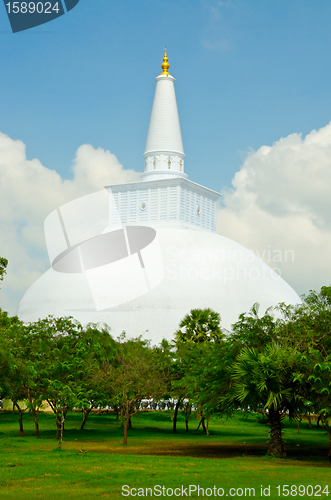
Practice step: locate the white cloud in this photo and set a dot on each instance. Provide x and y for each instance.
(28, 193)
(217, 24)
(280, 207)
(216, 7)
(221, 45)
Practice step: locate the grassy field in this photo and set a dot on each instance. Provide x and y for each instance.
(95, 462)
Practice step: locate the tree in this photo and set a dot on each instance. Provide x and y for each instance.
(3, 266)
(16, 374)
(200, 325)
(171, 370)
(54, 360)
(319, 381)
(66, 360)
(99, 351)
(307, 327)
(135, 373)
(309, 323)
(256, 367)
(268, 379)
(204, 377)
(197, 329)
(251, 330)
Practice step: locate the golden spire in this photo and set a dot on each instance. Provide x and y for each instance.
(165, 65)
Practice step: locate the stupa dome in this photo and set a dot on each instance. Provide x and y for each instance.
(201, 269)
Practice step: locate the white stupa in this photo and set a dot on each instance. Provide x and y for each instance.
(140, 256)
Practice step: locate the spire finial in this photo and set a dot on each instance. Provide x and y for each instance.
(165, 65)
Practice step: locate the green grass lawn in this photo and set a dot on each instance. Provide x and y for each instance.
(95, 462)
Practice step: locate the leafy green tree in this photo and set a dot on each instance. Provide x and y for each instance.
(200, 325)
(257, 367)
(308, 325)
(15, 370)
(17, 379)
(68, 358)
(197, 329)
(319, 380)
(304, 335)
(253, 331)
(3, 266)
(99, 351)
(54, 360)
(268, 379)
(201, 365)
(135, 373)
(171, 371)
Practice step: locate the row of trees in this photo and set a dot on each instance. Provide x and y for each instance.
(276, 366)
(57, 361)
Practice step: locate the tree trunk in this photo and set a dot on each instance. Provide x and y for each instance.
(58, 425)
(86, 414)
(207, 427)
(328, 428)
(34, 413)
(188, 411)
(61, 428)
(186, 424)
(276, 445)
(126, 424)
(174, 426)
(122, 416)
(202, 422)
(299, 420)
(20, 419)
(318, 420)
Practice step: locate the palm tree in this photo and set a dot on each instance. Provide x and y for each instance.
(200, 325)
(268, 380)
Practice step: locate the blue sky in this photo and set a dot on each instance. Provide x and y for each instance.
(251, 76)
(247, 73)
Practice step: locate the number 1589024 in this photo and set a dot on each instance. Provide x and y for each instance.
(32, 7)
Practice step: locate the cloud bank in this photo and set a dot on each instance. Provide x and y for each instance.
(280, 207)
(28, 193)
